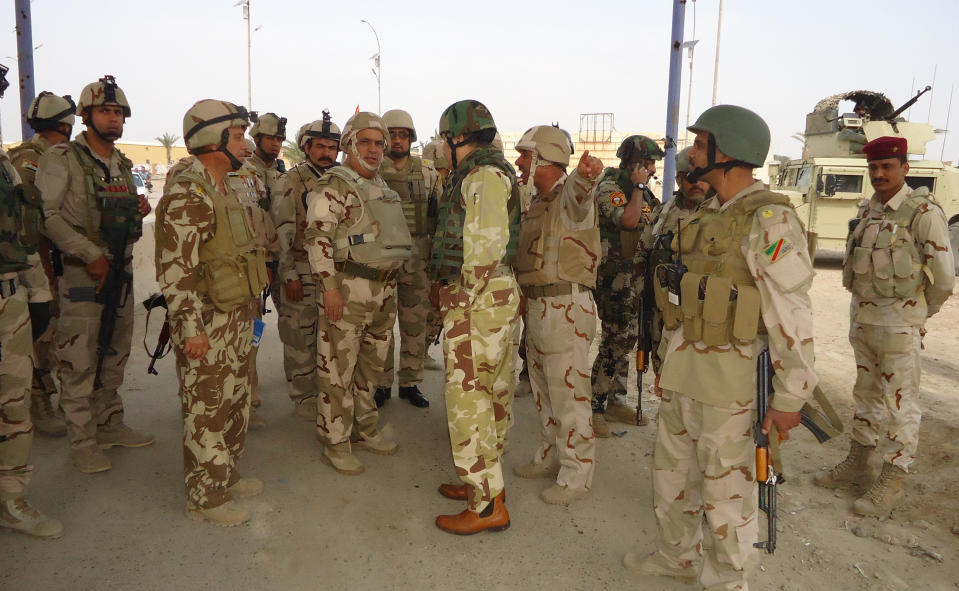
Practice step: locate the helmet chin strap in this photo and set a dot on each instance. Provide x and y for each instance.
(235, 163)
(533, 165)
(453, 160)
(107, 138)
(356, 155)
(697, 173)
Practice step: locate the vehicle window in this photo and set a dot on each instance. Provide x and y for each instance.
(804, 179)
(842, 183)
(928, 182)
(137, 180)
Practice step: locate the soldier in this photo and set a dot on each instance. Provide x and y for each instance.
(93, 215)
(559, 252)
(22, 280)
(52, 118)
(625, 208)
(211, 271)
(746, 289)
(899, 268)
(320, 141)
(417, 184)
(268, 133)
(356, 239)
(476, 292)
(433, 156)
(658, 236)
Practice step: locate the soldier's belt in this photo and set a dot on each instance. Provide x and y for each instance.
(366, 272)
(8, 287)
(72, 261)
(552, 290)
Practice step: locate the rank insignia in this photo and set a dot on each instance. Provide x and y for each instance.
(767, 213)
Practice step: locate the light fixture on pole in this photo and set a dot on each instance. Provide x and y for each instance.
(690, 45)
(249, 51)
(376, 69)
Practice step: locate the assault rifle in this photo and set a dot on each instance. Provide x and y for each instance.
(644, 344)
(113, 296)
(157, 300)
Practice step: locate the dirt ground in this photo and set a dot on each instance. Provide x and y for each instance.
(312, 528)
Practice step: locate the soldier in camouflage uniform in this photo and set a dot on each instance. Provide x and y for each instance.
(417, 184)
(899, 268)
(211, 272)
(474, 288)
(52, 118)
(320, 141)
(559, 252)
(79, 223)
(625, 208)
(746, 289)
(268, 133)
(22, 280)
(658, 236)
(433, 156)
(357, 240)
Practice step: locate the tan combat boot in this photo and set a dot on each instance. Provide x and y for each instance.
(306, 408)
(256, 421)
(47, 420)
(245, 487)
(226, 515)
(852, 470)
(339, 457)
(657, 565)
(121, 435)
(623, 414)
(534, 470)
(600, 428)
(89, 459)
(380, 444)
(18, 514)
(562, 495)
(884, 494)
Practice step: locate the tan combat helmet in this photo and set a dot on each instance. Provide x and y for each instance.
(321, 128)
(268, 124)
(102, 92)
(208, 122)
(433, 152)
(357, 123)
(402, 119)
(48, 112)
(549, 144)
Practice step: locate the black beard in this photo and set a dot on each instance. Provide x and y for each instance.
(399, 155)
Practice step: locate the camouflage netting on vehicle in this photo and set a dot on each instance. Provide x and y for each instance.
(878, 104)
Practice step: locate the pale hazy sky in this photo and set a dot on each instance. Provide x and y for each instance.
(530, 62)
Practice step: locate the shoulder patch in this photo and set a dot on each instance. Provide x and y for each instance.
(618, 199)
(777, 249)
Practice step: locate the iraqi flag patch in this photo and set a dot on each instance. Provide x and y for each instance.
(778, 249)
(618, 199)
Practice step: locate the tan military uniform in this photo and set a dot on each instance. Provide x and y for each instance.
(752, 246)
(210, 271)
(268, 174)
(298, 320)
(356, 238)
(899, 268)
(559, 252)
(418, 185)
(72, 224)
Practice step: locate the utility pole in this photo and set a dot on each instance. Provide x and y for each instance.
(25, 63)
(719, 30)
(672, 100)
(376, 71)
(249, 52)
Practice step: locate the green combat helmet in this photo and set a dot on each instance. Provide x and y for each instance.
(465, 117)
(208, 123)
(48, 112)
(268, 124)
(357, 123)
(639, 148)
(400, 118)
(738, 132)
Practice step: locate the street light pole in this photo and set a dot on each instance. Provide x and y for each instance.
(672, 98)
(249, 52)
(719, 30)
(376, 72)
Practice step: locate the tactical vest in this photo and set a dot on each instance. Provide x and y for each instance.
(447, 257)
(309, 184)
(410, 184)
(660, 249)
(31, 199)
(232, 268)
(115, 198)
(550, 252)
(13, 253)
(719, 302)
(882, 259)
(623, 242)
(379, 237)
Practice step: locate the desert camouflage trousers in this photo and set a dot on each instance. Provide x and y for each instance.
(703, 465)
(215, 404)
(350, 354)
(616, 302)
(46, 361)
(85, 406)
(16, 370)
(297, 327)
(414, 315)
(886, 392)
(256, 308)
(559, 332)
(479, 386)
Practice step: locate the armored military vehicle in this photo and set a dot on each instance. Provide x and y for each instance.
(827, 184)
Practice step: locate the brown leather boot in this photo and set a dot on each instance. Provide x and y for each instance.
(457, 492)
(494, 517)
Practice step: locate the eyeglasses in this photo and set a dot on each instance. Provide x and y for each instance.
(400, 133)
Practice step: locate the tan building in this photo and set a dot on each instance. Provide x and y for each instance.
(149, 153)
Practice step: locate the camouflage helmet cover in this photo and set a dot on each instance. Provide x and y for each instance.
(49, 109)
(206, 122)
(360, 121)
(682, 160)
(400, 118)
(268, 124)
(103, 92)
(738, 132)
(550, 143)
(321, 128)
(637, 148)
(433, 151)
(466, 116)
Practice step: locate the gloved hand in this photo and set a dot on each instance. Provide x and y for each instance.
(39, 318)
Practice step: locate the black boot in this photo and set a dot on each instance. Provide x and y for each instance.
(413, 394)
(381, 396)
